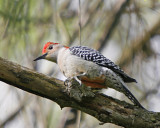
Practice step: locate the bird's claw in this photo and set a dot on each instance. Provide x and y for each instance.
(68, 84)
(76, 89)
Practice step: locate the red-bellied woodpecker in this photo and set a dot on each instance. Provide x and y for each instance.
(94, 69)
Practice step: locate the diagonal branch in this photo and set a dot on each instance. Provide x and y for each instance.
(113, 23)
(15, 113)
(138, 43)
(104, 108)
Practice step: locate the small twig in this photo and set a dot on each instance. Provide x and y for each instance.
(79, 21)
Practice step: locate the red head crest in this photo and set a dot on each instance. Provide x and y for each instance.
(46, 46)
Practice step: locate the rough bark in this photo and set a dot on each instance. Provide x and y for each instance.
(102, 107)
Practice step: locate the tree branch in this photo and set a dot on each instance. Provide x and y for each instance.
(15, 113)
(138, 43)
(113, 23)
(104, 108)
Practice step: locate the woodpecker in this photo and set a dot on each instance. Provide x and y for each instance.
(93, 69)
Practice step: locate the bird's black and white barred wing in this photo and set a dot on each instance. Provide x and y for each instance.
(90, 54)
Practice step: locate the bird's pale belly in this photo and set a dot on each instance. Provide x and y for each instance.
(89, 73)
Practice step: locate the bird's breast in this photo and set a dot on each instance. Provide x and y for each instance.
(72, 65)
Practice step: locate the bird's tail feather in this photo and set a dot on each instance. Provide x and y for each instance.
(131, 97)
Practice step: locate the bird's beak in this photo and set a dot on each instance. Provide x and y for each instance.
(41, 57)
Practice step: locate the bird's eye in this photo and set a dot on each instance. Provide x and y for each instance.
(50, 47)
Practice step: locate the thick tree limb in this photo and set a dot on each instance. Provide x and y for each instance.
(104, 108)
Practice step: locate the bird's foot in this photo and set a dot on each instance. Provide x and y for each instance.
(76, 89)
(68, 84)
(78, 78)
